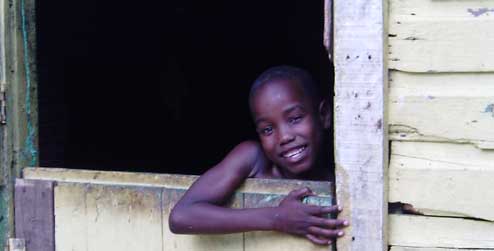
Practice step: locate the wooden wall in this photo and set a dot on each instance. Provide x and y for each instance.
(129, 211)
(441, 116)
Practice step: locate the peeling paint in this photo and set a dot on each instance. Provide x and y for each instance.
(318, 201)
(406, 132)
(30, 150)
(379, 125)
(489, 109)
(480, 11)
(413, 38)
(270, 198)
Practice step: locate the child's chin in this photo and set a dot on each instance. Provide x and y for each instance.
(299, 170)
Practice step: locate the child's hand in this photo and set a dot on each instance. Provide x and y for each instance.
(297, 218)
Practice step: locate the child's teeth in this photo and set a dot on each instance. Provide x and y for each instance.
(291, 154)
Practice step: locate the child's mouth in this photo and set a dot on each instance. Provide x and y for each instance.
(295, 153)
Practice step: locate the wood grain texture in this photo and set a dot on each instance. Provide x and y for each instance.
(16, 244)
(441, 36)
(71, 221)
(398, 248)
(453, 107)
(93, 216)
(328, 27)
(108, 218)
(173, 242)
(421, 231)
(121, 218)
(274, 241)
(443, 179)
(360, 138)
(34, 220)
(167, 180)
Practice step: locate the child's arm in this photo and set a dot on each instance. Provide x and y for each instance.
(201, 210)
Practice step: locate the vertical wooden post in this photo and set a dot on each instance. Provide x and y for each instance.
(360, 122)
(18, 135)
(34, 214)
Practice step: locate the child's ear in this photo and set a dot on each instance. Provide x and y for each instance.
(325, 113)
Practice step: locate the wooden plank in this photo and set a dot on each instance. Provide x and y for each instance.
(441, 36)
(274, 241)
(398, 248)
(328, 27)
(108, 218)
(18, 136)
(123, 219)
(16, 244)
(360, 140)
(173, 242)
(78, 206)
(455, 107)
(443, 179)
(166, 180)
(34, 214)
(71, 230)
(421, 231)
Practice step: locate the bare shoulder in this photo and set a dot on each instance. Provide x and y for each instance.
(218, 183)
(249, 148)
(247, 155)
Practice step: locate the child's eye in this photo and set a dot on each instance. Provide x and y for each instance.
(294, 120)
(267, 130)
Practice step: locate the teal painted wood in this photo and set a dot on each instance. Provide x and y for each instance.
(18, 137)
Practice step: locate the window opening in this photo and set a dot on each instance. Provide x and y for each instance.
(162, 87)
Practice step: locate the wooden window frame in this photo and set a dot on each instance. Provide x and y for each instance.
(361, 142)
(359, 52)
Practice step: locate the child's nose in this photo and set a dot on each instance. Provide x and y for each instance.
(286, 136)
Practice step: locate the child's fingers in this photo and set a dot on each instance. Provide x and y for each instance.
(328, 223)
(318, 210)
(318, 240)
(326, 233)
(300, 193)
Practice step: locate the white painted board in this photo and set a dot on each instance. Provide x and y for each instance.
(451, 107)
(441, 36)
(422, 231)
(443, 178)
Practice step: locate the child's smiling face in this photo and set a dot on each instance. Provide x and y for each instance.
(289, 125)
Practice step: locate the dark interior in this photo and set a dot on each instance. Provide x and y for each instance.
(162, 86)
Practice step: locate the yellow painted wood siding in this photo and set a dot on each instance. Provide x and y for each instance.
(443, 179)
(423, 231)
(441, 36)
(451, 107)
(441, 122)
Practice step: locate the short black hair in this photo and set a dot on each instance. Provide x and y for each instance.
(286, 72)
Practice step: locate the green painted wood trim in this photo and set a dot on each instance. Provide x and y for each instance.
(19, 137)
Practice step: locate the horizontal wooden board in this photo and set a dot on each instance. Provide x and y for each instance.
(174, 242)
(422, 231)
(94, 216)
(71, 230)
(455, 107)
(107, 218)
(441, 36)
(398, 248)
(443, 179)
(167, 180)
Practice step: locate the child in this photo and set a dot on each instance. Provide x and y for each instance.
(291, 118)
